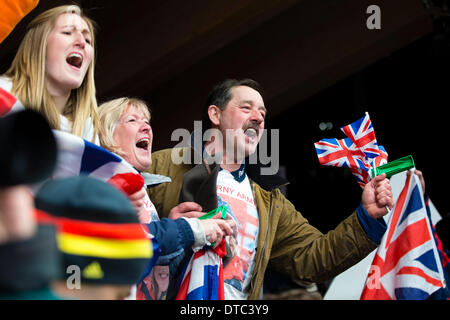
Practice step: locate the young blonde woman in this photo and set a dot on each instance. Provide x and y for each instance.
(53, 71)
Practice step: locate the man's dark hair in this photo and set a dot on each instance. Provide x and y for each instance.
(220, 95)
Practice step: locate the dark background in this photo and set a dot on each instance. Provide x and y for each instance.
(317, 62)
(406, 96)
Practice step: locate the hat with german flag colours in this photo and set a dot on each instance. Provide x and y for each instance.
(98, 230)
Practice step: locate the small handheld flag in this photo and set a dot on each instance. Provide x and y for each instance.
(359, 152)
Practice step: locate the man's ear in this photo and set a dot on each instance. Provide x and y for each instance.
(214, 114)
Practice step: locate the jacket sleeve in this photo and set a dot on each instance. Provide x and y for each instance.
(173, 235)
(375, 228)
(303, 252)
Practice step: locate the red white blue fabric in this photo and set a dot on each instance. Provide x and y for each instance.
(202, 278)
(8, 102)
(407, 264)
(359, 151)
(78, 156)
(443, 293)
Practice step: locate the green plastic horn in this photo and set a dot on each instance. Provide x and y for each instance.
(222, 209)
(394, 167)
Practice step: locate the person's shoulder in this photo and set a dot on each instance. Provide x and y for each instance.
(275, 192)
(5, 83)
(165, 159)
(161, 154)
(165, 154)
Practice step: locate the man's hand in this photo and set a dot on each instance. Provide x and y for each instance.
(217, 229)
(421, 178)
(186, 210)
(377, 195)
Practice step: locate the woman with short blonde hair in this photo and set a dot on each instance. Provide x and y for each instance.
(125, 129)
(109, 115)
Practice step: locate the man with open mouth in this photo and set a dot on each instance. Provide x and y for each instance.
(269, 227)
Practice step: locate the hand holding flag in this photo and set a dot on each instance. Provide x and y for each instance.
(377, 197)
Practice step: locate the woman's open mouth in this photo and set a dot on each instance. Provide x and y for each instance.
(75, 60)
(143, 143)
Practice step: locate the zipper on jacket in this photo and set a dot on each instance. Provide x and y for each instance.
(258, 263)
(256, 271)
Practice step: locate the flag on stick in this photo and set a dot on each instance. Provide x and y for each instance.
(359, 152)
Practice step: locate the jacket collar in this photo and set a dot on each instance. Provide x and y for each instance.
(253, 170)
(239, 174)
(152, 180)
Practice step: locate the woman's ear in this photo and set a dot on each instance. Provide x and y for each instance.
(214, 114)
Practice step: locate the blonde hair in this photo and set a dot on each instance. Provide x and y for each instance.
(110, 113)
(27, 73)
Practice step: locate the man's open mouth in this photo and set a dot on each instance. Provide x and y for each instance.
(251, 133)
(75, 60)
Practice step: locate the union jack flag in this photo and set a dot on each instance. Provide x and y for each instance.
(340, 153)
(359, 151)
(362, 134)
(407, 264)
(78, 156)
(202, 278)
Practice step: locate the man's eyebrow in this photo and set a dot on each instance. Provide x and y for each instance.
(252, 102)
(263, 108)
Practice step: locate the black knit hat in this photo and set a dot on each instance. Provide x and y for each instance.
(98, 230)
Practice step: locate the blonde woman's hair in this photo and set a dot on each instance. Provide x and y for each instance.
(109, 114)
(27, 73)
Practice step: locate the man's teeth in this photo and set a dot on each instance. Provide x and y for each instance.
(251, 133)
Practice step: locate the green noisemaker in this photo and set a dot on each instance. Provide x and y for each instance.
(222, 209)
(394, 167)
(212, 213)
